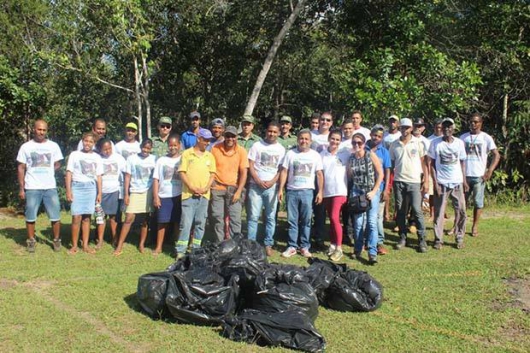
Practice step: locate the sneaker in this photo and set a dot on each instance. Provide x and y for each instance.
(372, 259)
(180, 255)
(337, 255)
(305, 253)
(331, 249)
(381, 250)
(459, 244)
(357, 255)
(423, 246)
(413, 229)
(438, 245)
(289, 252)
(401, 243)
(269, 251)
(57, 245)
(31, 245)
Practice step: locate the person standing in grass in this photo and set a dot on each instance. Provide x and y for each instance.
(38, 159)
(83, 189)
(167, 190)
(299, 169)
(365, 175)
(111, 187)
(478, 146)
(129, 145)
(138, 196)
(447, 162)
(265, 157)
(197, 172)
(335, 189)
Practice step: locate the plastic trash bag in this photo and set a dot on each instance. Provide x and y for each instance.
(200, 296)
(151, 293)
(354, 291)
(289, 329)
(249, 261)
(277, 290)
(321, 274)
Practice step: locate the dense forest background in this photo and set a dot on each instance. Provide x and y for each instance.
(73, 61)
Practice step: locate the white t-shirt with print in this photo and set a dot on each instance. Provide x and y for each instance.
(301, 168)
(406, 159)
(85, 167)
(267, 157)
(319, 141)
(346, 146)
(477, 148)
(39, 159)
(388, 138)
(166, 172)
(447, 157)
(141, 171)
(334, 169)
(127, 148)
(112, 178)
(426, 142)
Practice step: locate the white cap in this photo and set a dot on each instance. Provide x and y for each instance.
(405, 122)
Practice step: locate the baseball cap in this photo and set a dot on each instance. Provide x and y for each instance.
(205, 134)
(419, 121)
(230, 130)
(165, 120)
(286, 118)
(377, 127)
(405, 122)
(218, 121)
(194, 114)
(131, 126)
(448, 120)
(393, 117)
(248, 118)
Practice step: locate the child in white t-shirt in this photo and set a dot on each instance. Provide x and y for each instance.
(167, 190)
(138, 198)
(112, 185)
(83, 189)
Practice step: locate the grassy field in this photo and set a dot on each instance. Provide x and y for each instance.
(473, 300)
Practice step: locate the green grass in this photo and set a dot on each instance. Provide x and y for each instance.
(441, 301)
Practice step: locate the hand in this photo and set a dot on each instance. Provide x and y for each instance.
(466, 186)
(126, 200)
(98, 198)
(156, 202)
(438, 189)
(425, 187)
(22, 194)
(280, 196)
(487, 175)
(69, 197)
(318, 199)
(236, 197)
(386, 196)
(370, 195)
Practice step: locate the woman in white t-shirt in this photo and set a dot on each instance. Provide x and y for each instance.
(138, 196)
(83, 189)
(111, 185)
(167, 190)
(334, 162)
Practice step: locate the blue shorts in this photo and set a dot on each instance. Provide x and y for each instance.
(170, 210)
(51, 203)
(110, 204)
(84, 198)
(476, 187)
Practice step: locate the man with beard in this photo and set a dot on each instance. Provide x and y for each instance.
(189, 137)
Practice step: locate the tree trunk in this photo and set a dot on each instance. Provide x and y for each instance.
(251, 104)
(146, 96)
(138, 96)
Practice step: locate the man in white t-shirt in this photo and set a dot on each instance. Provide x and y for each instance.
(357, 118)
(299, 168)
(265, 158)
(408, 160)
(99, 128)
(129, 145)
(447, 157)
(38, 159)
(390, 136)
(478, 146)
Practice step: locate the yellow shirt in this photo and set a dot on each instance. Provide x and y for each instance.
(198, 170)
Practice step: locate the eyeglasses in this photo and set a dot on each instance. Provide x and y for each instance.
(195, 118)
(165, 126)
(324, 119)
(358, 143)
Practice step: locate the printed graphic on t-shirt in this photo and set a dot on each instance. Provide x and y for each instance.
(171, 173)
(473, 149)
(88, 168)
(270, 161)
(142, 173)
(449, 158)
(126, 153)
(302, 169)
(110, 168)
(41, 160)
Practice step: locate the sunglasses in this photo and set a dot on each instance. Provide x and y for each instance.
(328, 120)
(165, 126)
(358, 143)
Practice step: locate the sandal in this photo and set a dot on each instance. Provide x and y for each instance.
(88, 250)
(99, 245)
(73, 251)
(116, 253)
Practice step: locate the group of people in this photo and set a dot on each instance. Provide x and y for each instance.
(178, 181)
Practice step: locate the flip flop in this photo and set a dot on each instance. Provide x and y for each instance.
(73, 251)
(89, 251)
(116, 253)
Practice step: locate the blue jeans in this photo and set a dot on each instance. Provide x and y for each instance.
(299, 211)
(380, 227)
(257, 199)
(476, 187)
(194, 212)
(51, 203)
(368, 218)
(409, 193)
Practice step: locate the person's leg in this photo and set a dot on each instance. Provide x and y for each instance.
(218, 213)
(113, 228)
(100, 230)
(85, 233)
(255, 203)
(160, 237)
(380, 227)
(76, 225)
(144, 228)
(53, 209)
(477, 185)
(319, 225)
(459, 204)
(358, 220)
(306, 210)
(440, 202)
(33, 201)
(200, 221)
(125, 228)
(328, 202)
(336, 207)
(400, 193)
(270, 203)
(416, 199)
(234, 213)
(371, 226)
(186, 222)
(293, 217)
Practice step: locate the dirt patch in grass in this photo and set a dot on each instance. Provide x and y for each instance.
(7, 283)
(9, 213)
(519, 288)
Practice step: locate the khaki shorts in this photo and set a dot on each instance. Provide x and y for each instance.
(140, 202)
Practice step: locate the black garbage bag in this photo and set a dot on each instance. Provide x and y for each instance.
(321, 274)
(201, 296)
(151, 293)
(277, 290)
(354, 291)
(248, 262)
(290, 329)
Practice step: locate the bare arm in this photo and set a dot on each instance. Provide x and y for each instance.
(463, 166)
(126, 184)
(425, 169)
(99, 192)
(379, 172)
(386, 193)
(254, 174)
(432, 164)
(320, 185)
(494, 163)
(156, 198)
(68, 185)
(21, 173)
(283, 180)
(57, 165)
(242, 180)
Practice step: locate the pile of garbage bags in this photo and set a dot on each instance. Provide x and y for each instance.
(232, 285)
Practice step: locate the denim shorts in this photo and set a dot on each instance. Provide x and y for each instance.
(110, 203)
(84, 194)
(170, 210)
(51, 203)
(476, 187)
